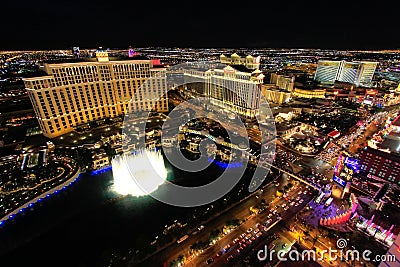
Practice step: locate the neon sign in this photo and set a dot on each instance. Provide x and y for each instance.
(339, 165)
(352, 163)
(339, 181)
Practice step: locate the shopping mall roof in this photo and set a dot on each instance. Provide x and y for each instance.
(334, 134)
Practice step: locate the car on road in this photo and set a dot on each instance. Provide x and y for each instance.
(292, 203)
(286, 208)
(235, 240)
(219, 253)
(249, 230)
(227, 247)
(210, 260)
(258, 234)
(230, 258)
(256, 231)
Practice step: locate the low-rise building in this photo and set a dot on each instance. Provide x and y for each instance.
(100, 161)
(309, 93)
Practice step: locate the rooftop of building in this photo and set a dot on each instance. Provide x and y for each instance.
(242, 68)
(92, 60)
(240, 54)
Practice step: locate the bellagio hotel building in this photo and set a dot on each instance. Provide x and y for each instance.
(76, 93)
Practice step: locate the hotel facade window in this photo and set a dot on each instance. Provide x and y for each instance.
(76, 93)
(378, 163)
(358, 72)
(230, 89)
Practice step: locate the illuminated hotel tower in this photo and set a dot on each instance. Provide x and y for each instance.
(358, 73)
(327, 71)
(76, 93)
(235, 90)
(367, 72)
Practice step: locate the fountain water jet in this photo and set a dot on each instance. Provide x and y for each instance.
(139, 174)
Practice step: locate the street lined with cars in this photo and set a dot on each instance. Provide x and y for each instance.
(254, 231)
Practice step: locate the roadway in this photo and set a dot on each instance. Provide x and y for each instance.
(240, 212)
(260, 242)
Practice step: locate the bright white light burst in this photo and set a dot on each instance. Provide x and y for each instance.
(138, 174)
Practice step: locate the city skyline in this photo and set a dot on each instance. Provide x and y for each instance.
(123, 154)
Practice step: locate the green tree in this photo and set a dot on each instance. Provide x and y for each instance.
(194, 247)
(180, 259)
(214, 234)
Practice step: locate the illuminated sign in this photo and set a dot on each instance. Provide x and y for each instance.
(339, 181)
(75, 51)
(339, 165)
(156, 62)
(352, 163)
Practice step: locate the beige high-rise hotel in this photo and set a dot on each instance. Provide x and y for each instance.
(76, 93)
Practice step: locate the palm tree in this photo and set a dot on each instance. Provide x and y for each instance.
(180, 258)
(194, 247)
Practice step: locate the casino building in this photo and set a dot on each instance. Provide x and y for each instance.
(234, 88)
(359, 73)
(76, 93)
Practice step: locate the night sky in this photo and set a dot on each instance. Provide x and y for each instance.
(119, 24)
